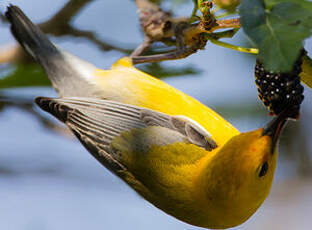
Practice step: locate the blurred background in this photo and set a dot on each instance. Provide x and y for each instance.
(49, 181)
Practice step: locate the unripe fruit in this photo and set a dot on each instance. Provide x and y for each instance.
(227, 4)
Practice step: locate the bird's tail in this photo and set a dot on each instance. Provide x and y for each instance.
(29, 36)
(66, 72)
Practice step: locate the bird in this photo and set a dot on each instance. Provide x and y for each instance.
(175, 152)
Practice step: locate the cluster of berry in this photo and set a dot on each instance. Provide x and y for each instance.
(280, 91)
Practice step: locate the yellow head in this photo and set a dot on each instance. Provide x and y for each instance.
(238, 178)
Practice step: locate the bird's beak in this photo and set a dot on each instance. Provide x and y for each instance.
(274, 128)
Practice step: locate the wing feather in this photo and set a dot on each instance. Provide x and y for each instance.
(97, 123)
(109, 119)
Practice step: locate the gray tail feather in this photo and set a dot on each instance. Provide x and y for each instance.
(58, 65)
(31, 38)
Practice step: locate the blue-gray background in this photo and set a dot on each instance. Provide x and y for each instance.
(49, 181)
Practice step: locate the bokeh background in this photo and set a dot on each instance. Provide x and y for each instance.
(49, 181)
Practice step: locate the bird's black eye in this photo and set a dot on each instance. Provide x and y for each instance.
(264, 169)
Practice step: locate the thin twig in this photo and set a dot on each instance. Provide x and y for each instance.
(224, 34)
(93, 38)
(27, 105)
(234, 47)
(173, 55)
(58, 24)
(13, 53)
(227, 23)
(142, 47)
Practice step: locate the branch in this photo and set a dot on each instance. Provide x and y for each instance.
(225, 23)
(12, 53)
(27, 106)
(159, 25)
(59, 25)
(90, 35)
(173, 55)
(142, 47)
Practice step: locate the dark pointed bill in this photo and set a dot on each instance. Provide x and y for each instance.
(274, 128)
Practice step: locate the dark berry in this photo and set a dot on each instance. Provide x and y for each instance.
(280, 91)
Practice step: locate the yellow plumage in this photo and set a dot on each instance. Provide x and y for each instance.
(129, 85)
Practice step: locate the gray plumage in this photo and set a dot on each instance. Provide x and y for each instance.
(66, 72)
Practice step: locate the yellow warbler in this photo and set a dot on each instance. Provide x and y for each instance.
(175, 152)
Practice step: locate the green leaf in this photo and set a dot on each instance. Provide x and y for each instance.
(25, 76)
(305, 4)
(279, 32)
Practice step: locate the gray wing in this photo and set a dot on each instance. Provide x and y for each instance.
(97, 122)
